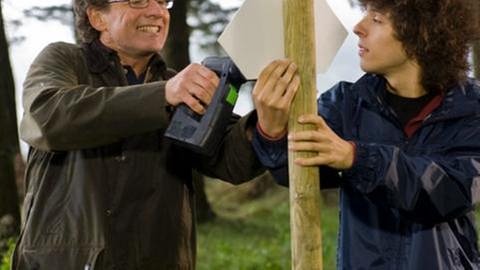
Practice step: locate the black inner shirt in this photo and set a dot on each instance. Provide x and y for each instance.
(406, 108)
(132, 78)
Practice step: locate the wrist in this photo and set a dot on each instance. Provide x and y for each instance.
(269, 136)
(352, 154)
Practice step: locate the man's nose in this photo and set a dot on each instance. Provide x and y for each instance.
(359, 30)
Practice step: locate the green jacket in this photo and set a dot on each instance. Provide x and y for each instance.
(105, 190)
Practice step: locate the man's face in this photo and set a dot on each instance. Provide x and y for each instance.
(380, 52)
(135, 32)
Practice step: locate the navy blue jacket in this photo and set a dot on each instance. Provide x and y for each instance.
(408, 200)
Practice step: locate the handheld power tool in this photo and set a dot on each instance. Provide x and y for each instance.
(203, 133)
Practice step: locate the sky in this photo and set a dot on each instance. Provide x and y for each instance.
(38, 34)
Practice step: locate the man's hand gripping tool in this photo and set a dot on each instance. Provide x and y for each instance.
(203, 133)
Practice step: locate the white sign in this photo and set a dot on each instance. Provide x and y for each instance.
(255, 36)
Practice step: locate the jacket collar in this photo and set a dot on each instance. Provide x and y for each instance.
(460, 100)
(100, 58)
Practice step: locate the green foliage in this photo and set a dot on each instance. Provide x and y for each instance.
(255, 234)
(5, 259)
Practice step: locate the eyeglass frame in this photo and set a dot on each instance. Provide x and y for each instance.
(168, 3)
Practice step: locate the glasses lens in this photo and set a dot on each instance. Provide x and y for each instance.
(168, 4)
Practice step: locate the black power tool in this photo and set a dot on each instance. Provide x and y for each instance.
(203, 133)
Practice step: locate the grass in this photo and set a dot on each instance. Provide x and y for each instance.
(251, 233)
(254, 234)
(5, 261)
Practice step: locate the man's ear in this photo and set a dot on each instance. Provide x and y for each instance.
(96, 19)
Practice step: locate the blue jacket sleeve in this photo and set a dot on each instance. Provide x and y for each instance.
(274, 156)
(428, 188)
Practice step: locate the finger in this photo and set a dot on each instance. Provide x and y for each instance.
(309, 147)
(201, 93)
(290, 72)
(313, 119)
(280, 87)
(265, 88)
(209, 76)
(307, 135)
(291, 90)
(271, 85)
(194, 104)
(203, 89)
(265, 73)
(310, 161)
(277, 81)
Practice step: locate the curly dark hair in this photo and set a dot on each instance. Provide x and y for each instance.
(436, 33)
(85, 31)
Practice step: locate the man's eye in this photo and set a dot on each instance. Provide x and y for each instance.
(377, 19)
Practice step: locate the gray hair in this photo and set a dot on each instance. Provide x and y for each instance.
(85, 31)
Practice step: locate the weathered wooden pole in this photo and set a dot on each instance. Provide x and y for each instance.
(299, 35)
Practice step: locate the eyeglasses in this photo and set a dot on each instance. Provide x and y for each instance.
(166, 4)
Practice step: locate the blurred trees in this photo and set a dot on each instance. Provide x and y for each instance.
(176, 52)
(476, 59)
(476, 45)
(9, 148)
(199, 22)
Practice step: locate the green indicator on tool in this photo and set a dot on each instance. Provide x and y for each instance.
(232, 95)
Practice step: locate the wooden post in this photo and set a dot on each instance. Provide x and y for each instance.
(304, 181)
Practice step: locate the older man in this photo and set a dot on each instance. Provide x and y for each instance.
(104, 189)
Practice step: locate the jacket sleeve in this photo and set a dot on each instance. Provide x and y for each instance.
(62, 111)
(274, 156)
(235, 161)
(428, 188)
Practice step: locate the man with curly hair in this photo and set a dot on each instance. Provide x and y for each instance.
(402, 142)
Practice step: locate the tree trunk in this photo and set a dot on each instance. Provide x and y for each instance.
(476, 45)
(203, 210)
(175, 52)
(476, 59)
(9, 208)
(177, 56)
